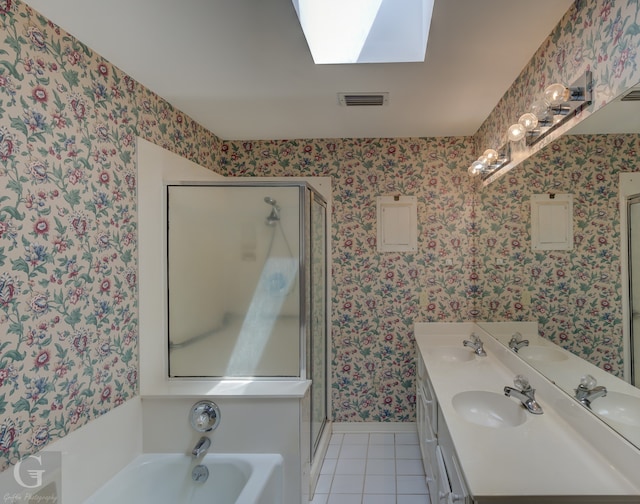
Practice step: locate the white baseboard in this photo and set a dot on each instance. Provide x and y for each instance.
(344, 427)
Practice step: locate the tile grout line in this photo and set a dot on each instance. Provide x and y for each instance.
(360, 496)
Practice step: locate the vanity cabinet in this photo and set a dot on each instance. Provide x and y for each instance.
(444, 477)
(426, 419)
(480, 447)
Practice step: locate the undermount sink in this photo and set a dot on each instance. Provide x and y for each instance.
(450, 354)
(617, 407)
(542, 353)
(488, 409)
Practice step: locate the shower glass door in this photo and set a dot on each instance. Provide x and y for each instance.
(318, 364)
(234, 280)
(633, 220)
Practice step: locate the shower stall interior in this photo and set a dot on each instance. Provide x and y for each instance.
(247, 284)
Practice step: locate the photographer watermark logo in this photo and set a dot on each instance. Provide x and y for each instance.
(35, 480)
(34, 476)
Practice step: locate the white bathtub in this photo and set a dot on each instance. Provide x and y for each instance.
(161, 478)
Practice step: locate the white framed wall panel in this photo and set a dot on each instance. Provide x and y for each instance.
(551, 222)
(397, 223)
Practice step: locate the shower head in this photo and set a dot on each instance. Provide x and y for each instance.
(274, 216)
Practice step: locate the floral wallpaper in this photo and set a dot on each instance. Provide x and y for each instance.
(602, 36)
(68, 225)
(376, 296)
(68, 228)
(576, 295)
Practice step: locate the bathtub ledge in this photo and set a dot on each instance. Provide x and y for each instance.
(229, 388)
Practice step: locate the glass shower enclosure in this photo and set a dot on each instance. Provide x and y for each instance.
(247, 283)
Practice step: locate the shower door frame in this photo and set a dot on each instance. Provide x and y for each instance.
(315, 441)
(634, 329)
(629, 186)
(304, 330)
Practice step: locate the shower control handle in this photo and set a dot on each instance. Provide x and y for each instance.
(204, 416)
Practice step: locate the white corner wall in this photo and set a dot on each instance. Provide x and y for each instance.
(156, 166)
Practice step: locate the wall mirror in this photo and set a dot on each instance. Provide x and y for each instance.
(575, 297)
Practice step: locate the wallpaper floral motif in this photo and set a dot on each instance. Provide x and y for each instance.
(602, 36)
(576, 295)
(68, 228)
(376, 296)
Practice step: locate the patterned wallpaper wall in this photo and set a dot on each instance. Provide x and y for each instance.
(68, 228)
(68, 221)
(375, 298)
(576, 296)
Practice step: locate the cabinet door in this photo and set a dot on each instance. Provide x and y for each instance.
(420, 417)
(442, 488)
(424, 384)
(458, 492)
(426, 437)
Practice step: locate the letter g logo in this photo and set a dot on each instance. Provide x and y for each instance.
(33, 474)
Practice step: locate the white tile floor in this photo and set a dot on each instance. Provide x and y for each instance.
(362, 468)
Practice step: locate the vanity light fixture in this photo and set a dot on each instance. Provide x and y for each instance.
(516, 132)
(558, 104)
(490, 161)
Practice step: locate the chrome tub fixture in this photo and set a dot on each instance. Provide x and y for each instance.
(204, 416)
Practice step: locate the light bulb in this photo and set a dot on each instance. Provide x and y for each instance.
(528, 121)
(516, 132)
(557, 93)
(491, 155)
(483, 161)
(476, 168)
(540, 109)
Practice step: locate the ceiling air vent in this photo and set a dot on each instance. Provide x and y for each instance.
(363, 99)
(633, 95)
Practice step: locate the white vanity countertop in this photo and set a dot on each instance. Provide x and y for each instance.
(543, 457)
(566, 373)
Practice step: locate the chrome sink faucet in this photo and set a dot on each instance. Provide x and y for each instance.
(516, 342)
(201, 447)
(525, 393)
(476, 344)
(588, 390)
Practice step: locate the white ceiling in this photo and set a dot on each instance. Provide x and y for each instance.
(242, 68)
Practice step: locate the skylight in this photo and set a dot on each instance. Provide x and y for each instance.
(365, 31)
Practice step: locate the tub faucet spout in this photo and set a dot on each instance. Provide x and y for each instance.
(201, 447)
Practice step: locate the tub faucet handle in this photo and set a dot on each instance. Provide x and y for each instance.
(204, 416)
